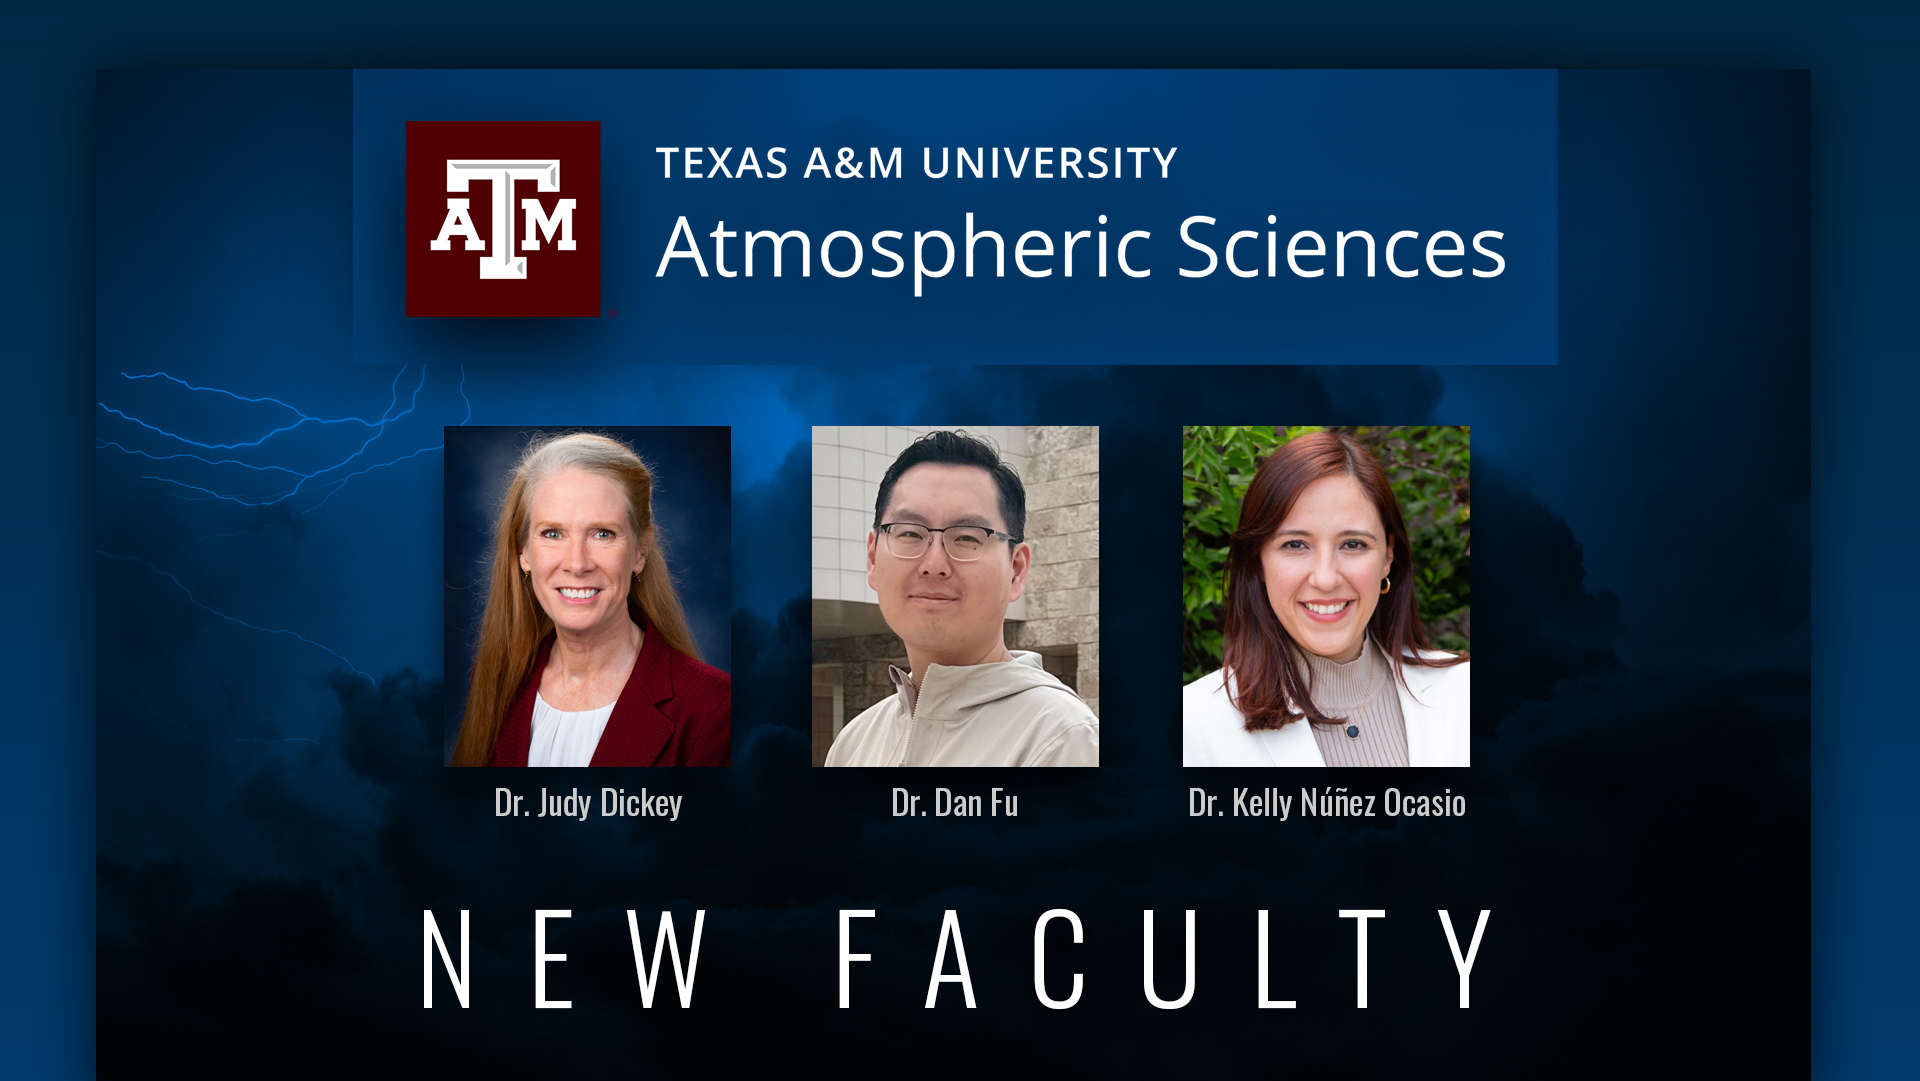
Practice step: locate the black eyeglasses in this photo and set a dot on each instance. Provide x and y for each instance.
(964, 543)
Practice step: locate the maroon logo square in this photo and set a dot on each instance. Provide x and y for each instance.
(503, 217)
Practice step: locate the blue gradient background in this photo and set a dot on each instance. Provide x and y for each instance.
(270, 711)
(1863, 159)
(1321, 150)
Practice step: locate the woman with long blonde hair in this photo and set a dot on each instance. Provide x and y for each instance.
(585, 657)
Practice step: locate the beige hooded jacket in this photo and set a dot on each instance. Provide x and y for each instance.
(1010, 713)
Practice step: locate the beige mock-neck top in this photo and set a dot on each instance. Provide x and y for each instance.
(1342, 691)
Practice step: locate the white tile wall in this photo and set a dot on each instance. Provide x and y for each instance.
(848, 462)
(853, 523)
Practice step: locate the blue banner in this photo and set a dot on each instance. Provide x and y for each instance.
(916, 217)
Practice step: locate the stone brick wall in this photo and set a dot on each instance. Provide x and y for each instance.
(1063, 527)
(826, 689)
(862, 663)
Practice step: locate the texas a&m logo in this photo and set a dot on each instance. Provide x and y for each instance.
(503, 217)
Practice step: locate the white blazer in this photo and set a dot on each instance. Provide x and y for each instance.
(1437, 704)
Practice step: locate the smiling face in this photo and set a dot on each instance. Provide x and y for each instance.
(947, 611)
(1323, 566)
(581, 553)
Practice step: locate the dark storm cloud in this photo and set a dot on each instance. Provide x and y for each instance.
(1588, 803)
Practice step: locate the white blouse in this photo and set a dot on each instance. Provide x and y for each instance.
(565, 739)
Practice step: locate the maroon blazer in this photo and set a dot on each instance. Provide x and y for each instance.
(674, 711)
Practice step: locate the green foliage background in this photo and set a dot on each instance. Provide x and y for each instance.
(1428, 467)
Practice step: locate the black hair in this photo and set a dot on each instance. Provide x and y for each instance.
(959, 448)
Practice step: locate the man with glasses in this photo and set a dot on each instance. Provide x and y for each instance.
(947, 556)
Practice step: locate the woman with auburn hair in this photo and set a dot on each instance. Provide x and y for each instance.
(1326, 662)
(585, 657)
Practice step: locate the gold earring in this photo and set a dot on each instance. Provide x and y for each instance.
(1386, 584)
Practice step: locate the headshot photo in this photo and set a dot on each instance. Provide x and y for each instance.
(588, 595)
(1326, 596)
(956, 596)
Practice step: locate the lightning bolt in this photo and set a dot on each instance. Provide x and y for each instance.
(232, 619)
(302, 484)
(304, 418)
